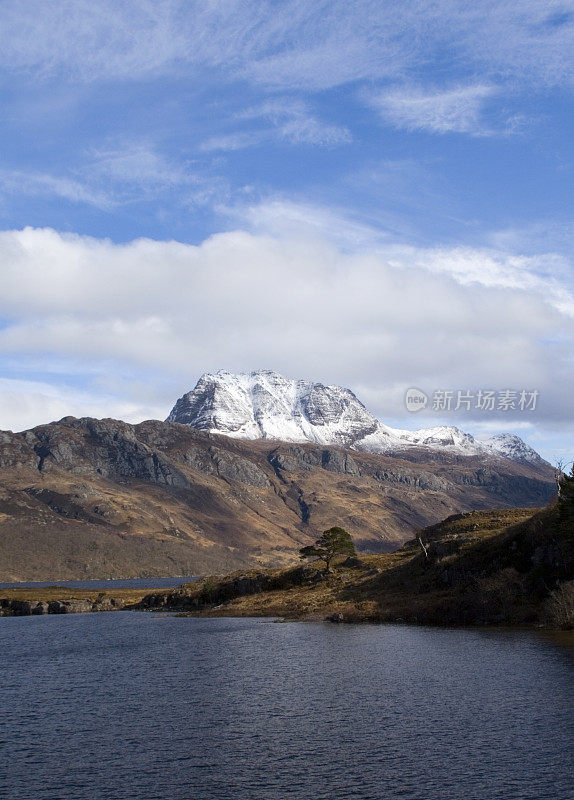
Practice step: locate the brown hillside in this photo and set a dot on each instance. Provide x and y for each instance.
(502, 567)
(86, 498)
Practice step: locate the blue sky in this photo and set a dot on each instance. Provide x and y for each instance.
(377, 195)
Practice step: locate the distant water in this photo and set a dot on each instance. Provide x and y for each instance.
(127, 583)
(137, 706)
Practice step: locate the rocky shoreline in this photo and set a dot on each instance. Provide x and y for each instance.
(37, 601)
(24, 608)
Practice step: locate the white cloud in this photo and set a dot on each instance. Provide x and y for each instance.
(539, 236)
(233, 141)
(543, 274)
(294, 301)
(24, 404)
(456, 110)
(288, 219)
(117, 175)
(139, 164)
(294, 122)
(137, 171)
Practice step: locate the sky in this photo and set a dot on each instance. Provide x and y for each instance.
(377, 195)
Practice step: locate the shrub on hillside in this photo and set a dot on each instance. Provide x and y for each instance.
(560, 606)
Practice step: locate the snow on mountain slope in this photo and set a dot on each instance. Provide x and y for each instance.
(512, 447)
(442, 437)
(265, 405)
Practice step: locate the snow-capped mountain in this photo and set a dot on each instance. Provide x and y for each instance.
(265, 405)
(512, 447)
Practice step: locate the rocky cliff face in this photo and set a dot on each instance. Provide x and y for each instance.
(265, 405)
(101, 498)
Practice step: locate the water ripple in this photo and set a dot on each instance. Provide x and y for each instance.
(137, 707)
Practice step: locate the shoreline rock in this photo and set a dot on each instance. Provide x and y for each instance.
(25, 608)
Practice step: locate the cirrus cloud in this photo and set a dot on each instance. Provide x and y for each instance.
(289, 45)
(455, 110)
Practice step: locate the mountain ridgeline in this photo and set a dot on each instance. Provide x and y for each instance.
(265, 405)
(259, 467)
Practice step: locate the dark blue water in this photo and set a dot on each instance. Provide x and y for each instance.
(133, 706)
(126, 583)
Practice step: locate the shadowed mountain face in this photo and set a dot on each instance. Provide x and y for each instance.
(85, 498)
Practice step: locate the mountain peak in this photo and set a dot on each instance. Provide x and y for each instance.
(265, 405)
(511, 446)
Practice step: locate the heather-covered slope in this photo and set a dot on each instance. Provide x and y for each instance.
(480, 568)
(101, 498)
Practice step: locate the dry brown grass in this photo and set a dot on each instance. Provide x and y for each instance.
(494, 567)
(483, 574)
(48, 593)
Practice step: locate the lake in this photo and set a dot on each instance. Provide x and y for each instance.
(122, 583)
(137, 706)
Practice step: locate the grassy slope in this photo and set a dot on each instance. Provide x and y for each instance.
(486, 567)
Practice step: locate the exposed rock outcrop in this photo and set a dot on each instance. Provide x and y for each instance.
(25, 608)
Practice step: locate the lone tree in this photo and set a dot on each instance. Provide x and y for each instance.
(332, 542)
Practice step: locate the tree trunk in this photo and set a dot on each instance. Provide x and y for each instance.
(425, 551)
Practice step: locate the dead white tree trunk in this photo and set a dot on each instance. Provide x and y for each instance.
(559, 471)
(425, 549)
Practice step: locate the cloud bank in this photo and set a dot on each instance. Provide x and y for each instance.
(378, 320)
